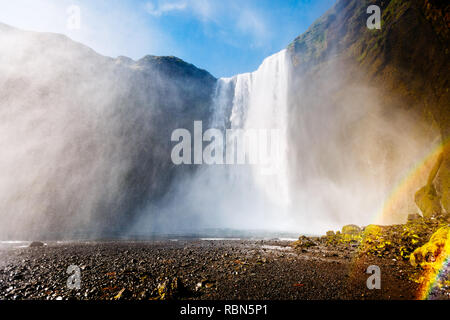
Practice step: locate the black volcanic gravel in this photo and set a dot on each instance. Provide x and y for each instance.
(227, 269)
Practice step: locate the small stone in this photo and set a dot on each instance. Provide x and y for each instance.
(124, 293)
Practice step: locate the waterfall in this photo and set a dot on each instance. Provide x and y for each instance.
(258, 102)
(328, 154)
(335, 164)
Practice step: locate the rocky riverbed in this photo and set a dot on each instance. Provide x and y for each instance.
(197, 269)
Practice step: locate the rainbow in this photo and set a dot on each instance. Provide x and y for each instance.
(435, 272)
(408, 185)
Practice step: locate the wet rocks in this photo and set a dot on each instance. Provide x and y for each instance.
(36, 244)
(204, 284)
(330, 234)
(123, 294)
(303, 242)
(169, 289)
(224, 269)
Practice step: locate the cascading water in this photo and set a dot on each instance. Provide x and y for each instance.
(335, 163)
(258, 102)
(253, 195)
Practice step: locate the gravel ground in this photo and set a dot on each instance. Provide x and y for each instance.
(195, 269)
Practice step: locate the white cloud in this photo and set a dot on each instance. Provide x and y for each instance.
(162, 7)
(230, 16)
(204, 9)
(252, 23)
(201, 9)
(134, 36)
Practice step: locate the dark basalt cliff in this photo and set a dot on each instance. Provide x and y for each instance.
(86, 138)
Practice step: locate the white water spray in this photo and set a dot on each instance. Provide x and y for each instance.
(338, 160)
(259, 101)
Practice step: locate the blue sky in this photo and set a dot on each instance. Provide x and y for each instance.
(225, 37)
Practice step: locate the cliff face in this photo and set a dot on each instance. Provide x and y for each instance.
(86, 138)
(405, 65)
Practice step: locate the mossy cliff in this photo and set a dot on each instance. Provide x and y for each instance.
(407, 61)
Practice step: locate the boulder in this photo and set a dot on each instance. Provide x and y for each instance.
(303, 242)
(427, 198)
(35, 244)
(330, 234)
(372, 229)
(351, 229)
(428, 201)
(438, 248)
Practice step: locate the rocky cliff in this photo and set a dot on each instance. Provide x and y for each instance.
(402, 69)
(86, 138)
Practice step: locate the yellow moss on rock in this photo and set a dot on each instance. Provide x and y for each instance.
(351, 229)
(438, 246)
(372, 230)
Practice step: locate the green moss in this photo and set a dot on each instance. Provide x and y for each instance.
(394, 11)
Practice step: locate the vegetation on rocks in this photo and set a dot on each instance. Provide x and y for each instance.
(304, 242)
(438, 245)
(398, 241)
(431, 262)
(394, 242)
